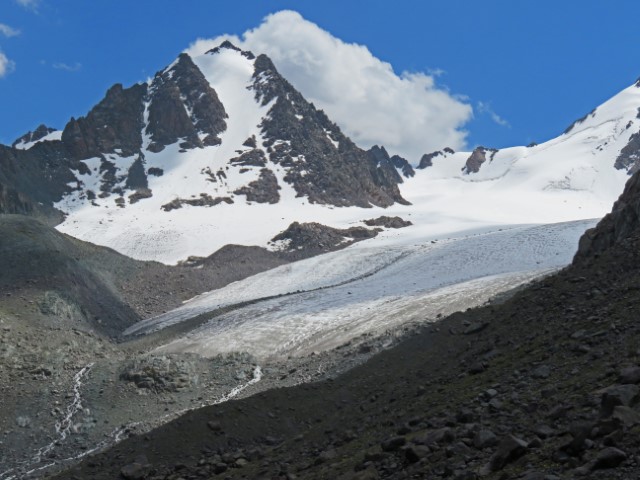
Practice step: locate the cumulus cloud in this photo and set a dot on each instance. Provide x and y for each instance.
(407, 113)
(67, 67)
(8, 31)
(6, 65)
(485, 108)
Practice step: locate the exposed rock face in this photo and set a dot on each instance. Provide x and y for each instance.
(115, 123)
(322, 163)
(629, 158)
(622, 222)
(302, 240)
(388, 222)
(183, 105)
(36, 177)
(427, 159)
(381, 156)
(204, 200)
(40, 132)
(263, 190)
(477, 158)
(253, 158)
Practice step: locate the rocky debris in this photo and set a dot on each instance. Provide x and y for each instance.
(140, 194)
(510, 449)
(630, 375)
(617, 395)
(204, 200)
(301, 240)
(252, 158)
(184, 106)
(30, 137)
(610, 457)
(477, 158)
(263, 190)
(165, 373)
(484, 439)
(138, 470)
(388, 222)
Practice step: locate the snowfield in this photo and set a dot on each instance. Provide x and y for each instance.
(567, 178)
(325, 301)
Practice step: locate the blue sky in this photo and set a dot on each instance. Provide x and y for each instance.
(527, 68)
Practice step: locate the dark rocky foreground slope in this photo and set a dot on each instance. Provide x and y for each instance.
(50, 276)
(542, 386)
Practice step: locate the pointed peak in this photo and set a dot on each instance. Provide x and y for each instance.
(227, 45)
(42, 132)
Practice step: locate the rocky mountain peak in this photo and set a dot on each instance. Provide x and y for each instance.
(182, 105)
(31, 137)
(230, 46)
(112, 126)
(381, 156)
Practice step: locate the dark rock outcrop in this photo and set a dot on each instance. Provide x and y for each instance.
(427, 159)
(622, 222)
(629, 157)
(381, 156)
(184, 106)
(477, 158)
(388, 222)
(204, 200)
(40, 132)
(32, 180)
(263, 190)
(302, 240)
(113, 124)
(252, 158)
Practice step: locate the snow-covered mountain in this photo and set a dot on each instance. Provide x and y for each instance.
(221, 149)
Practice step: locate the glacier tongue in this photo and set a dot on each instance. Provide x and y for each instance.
(322, 302)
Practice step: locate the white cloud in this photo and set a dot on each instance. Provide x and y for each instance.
(6, 66)
(408, 113)
(8, 31)
(485, 107)
(65, 66)
(29, 4)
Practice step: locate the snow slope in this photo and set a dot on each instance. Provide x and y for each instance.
(325, 301)
(567, 178)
